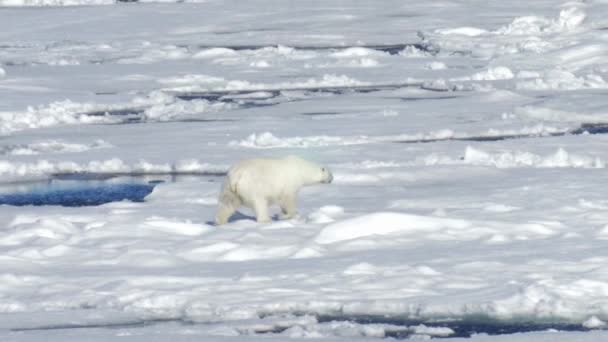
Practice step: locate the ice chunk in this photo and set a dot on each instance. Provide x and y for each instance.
(463, 31)
(594, 323)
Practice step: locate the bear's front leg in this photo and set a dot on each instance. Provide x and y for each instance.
(224, 212)
(261, 211)
(288, 207)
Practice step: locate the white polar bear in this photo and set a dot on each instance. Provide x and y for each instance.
(258, 183)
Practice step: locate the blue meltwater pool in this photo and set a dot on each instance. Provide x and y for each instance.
(77, 191)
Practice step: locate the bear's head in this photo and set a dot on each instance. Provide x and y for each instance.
(310, 172)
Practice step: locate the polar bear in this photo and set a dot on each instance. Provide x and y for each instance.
(258, 183)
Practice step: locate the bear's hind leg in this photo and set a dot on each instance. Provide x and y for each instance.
(288, 207)
(261, 211)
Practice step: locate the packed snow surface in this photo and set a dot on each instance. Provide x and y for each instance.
(468, 152)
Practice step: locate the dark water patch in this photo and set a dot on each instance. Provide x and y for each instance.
(392, 49)
(92, 189)
(252, 94)
(394, 327)
(108, 325)
(227, 96)
(240, 47)
(243, 99)
(137, 115)
(403, 15)
(490, 138)
(260, 29)
(461, 53)
(264, 330)
(398, 48)
(10, 46)
(463, 328)
(441, 88)
(174, 120)
(16, 64)
(415, 99)
(477, 138)
(590, 128)
(199, 120)
(77, 194)
(10, 149)
(321, 113)
(117, 112)
(124, 115)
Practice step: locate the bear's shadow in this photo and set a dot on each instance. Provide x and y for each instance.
(238, 216)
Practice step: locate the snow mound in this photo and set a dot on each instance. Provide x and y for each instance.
(11, 171)
(561, 158)
(523, 36)
(463, 31)
(497, 73)
(214, 53)
(594, 323)
(177, 109)
(154, 53)
(436, 66)
(268, 140)
(558, 79)
(279, 53)
(385, 223)
(156, 106)
(175, 226)
(411, 51)
(255, 56)
(2, 73)
(351, 330)
(385, 228)
(326, 214)
(363, 62)
(199, 83)
(357, 52)
(446, 134)
(56, 113)
(568, 20)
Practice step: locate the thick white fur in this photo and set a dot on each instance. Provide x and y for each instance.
(259, 183)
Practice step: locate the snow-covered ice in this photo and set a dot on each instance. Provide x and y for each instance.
(469, 156)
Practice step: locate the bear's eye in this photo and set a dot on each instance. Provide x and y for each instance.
(323, 169)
